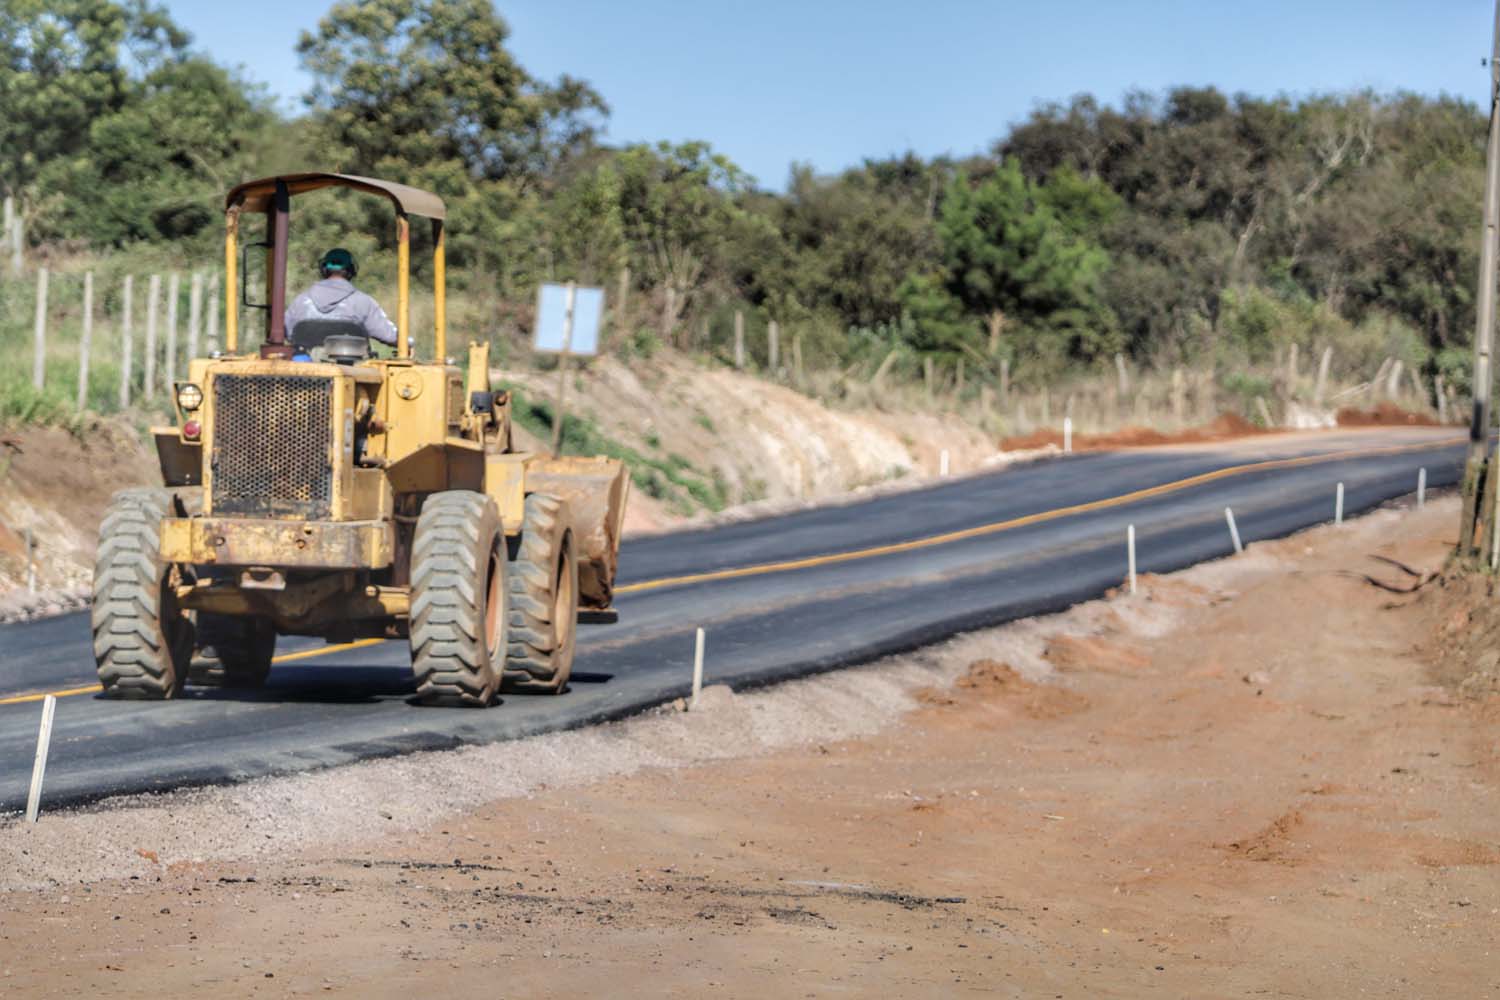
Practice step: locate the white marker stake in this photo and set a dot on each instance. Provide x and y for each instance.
(43, 740)
(943, 464)
(697, 670)
(1067, 434)
(1234, 532)
(1338, 505)
(1130, 545)
(1421, 487)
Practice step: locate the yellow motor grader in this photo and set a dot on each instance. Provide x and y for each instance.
(310, 488)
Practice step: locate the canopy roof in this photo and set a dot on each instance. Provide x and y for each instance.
(255, 196)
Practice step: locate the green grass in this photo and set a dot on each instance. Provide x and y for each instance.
(671, 479)
(56, 403)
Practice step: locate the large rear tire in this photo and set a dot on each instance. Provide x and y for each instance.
(457, 599)
(142, 638)
(232, 652)
(543, 600)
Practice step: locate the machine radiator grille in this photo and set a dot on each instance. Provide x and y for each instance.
(271, 446)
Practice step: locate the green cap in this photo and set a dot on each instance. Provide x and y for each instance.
(337, 261)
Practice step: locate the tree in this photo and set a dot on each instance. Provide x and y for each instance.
(425, 92)
(854, 238)
(934, 318)
(406, 88)
(586, 232)
(678, 209)
(1016, 258)
(158, 167)
(63, 65)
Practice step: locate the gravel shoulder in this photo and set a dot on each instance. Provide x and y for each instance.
(1251, 778)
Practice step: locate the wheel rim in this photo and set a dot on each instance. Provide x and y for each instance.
(494, 602)
(562, 598)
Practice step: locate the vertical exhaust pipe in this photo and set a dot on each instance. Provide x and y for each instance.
(281, 211)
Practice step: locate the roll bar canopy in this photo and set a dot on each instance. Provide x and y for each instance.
(259, 195)
(273, 195)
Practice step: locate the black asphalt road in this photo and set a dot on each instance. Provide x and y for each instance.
(763, 625)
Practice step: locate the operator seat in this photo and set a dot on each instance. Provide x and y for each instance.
(339, 340)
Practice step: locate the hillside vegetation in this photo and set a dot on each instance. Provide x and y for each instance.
(1193, 237)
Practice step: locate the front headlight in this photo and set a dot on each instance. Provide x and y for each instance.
(189, 397)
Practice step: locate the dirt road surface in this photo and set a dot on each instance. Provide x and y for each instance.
(1251, 780)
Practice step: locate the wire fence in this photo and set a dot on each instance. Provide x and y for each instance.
(102, 342)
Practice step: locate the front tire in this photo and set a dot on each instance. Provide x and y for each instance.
(457, 621)
(142, 637)
(543, 600)
(232, 652)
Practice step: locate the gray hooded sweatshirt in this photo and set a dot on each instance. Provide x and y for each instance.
(337, 298)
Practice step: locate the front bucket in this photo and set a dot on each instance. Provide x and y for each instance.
(595, 490)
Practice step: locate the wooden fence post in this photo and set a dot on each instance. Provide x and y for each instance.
(739, 339)
(195, 315)
(174, 292)
(125, 346)
(1379, 380)
(39, 360)
(153, 308)
(1418, 385)
(1322, 384)
(212, 302)
(1206, 396)
(623, 290)
(669, 313)
(877, 380)
(773, 346)
(1393, 381)
(86, 342)
(1264, 411)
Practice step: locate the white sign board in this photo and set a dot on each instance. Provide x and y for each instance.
(567, 319)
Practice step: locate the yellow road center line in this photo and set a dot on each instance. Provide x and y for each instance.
(65, 692)
(1017, 522)
(882, 550)
(339, 647)
(304, 654)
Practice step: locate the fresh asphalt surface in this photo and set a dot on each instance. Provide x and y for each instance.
(762, 626)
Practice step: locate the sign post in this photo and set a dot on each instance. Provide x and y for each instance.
(567, 324)
(562, 369)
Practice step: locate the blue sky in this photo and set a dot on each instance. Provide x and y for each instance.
(830, 83)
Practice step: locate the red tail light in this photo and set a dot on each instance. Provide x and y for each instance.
(191, 430)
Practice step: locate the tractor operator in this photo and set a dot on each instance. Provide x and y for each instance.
(335, 298)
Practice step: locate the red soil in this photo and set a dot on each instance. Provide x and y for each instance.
(1384, 415)
(1228, 425)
